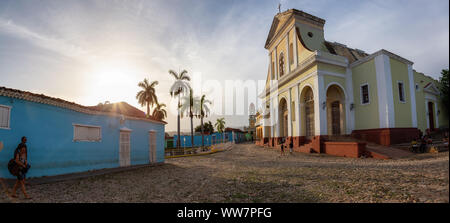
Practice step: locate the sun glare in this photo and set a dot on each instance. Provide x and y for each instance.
(113, 81)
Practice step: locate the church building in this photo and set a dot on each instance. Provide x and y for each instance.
(317, 90)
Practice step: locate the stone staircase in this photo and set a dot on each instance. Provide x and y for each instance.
(374, 150)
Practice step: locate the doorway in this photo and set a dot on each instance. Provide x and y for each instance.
(431, 115)
(336, 118)
(124, 148)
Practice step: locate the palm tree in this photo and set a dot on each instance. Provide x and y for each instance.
(159, 112)
(147, 95)
(187, 106)
(203, 112)
(179, 87)
(220, 126)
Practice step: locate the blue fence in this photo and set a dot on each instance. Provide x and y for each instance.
(215, 138)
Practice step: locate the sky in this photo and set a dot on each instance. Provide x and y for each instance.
(95, 51)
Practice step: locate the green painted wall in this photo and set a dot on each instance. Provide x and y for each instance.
(399, 73)
(421, 80)
(366, 116)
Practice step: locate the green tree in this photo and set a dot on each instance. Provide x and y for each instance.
(204, 112)
(220, 126)
(179, 87)
(207, 127)
(159, 112)
(147, 96)
(443, 87)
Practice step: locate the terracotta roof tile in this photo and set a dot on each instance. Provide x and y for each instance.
(121, 108)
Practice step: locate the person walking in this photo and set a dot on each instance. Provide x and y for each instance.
(20, 160)
(23, 146)
(282, 146)
(291, 146)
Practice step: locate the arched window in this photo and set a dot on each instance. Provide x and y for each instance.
(281, 64)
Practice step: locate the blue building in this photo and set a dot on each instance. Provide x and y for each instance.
(64, 137)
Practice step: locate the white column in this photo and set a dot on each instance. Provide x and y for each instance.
(272, 120)
(289, 107)
(412, 93)
(288, 64)
(384, 88)
(276, 64)
(297, 110)
(270, 66)
(276, 117)
(320, 114)
(349, 114)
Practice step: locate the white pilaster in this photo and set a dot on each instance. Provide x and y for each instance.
(276, 117)
(287, 63)
(294, 42)
(272, 122)
(270, 66)
(384, 89)
(412, 93)
(276, 64)
(349, 114)
(289, 113)
(320, 114)
(297, 110)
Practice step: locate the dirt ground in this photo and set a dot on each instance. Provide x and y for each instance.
(248, 173)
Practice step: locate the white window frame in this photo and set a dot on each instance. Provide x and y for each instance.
(9, 116)
(88, 126)
(361, 93)
(404, 92)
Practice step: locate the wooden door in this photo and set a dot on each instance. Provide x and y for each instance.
(124, 149)
(336, 118)
(431, 115)
(152, 146)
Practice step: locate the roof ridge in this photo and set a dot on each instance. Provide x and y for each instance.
(58, 102)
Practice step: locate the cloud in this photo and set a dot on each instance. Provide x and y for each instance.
(56, 45)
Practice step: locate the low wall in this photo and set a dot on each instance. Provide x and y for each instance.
(387, 136)
(345, 149)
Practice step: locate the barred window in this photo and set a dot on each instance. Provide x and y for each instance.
(401, 92)
(365, 94)
(4, 116)
(87, 133)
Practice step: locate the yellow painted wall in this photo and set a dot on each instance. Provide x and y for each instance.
(302, 52)
(399, 72)
(366, 116)
(332, 68)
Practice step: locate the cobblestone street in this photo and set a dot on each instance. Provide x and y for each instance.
(248, 173)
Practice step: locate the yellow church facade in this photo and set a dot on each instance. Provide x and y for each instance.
(317, 90)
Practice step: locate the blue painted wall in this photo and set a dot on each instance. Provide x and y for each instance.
(185, 140)
(51, 150)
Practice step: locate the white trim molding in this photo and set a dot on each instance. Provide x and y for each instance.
(412, 94)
